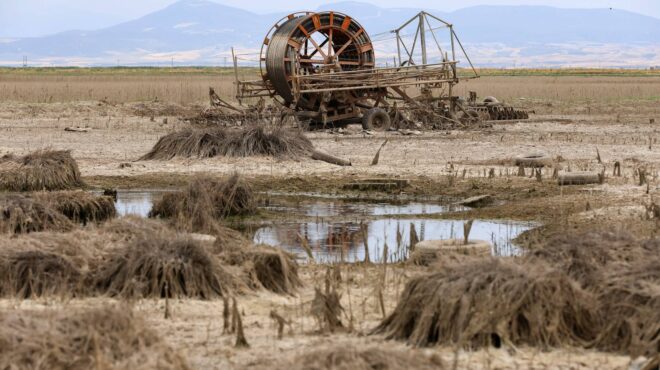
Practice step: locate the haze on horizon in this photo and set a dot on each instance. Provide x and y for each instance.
(31, 18)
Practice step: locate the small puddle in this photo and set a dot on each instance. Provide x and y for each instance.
(334, 241)
(331, 226)
(137, 202)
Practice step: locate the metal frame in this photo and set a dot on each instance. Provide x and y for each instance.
(349, 93)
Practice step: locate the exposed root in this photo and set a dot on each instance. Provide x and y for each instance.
(40, 170)
(215, 141)
(494, 302)
(105, 338)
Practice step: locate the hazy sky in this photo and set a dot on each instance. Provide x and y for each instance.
(25, 18)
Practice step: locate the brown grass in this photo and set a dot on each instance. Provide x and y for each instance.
(244, 142)
(35, 273)
(20, 214)
(630, 300)
(162, 266)
(345, 357)
(267, 267)
(104, 338)
(40, 170)
(79, 206)
(494, 302)
(204, 201)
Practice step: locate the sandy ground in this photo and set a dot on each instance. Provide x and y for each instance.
(195, 328)
(117, 137)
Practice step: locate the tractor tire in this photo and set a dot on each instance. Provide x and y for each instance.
(376, 119)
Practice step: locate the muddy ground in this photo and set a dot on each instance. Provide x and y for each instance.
(443, 164)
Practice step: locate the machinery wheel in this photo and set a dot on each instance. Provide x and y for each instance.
(376, 119)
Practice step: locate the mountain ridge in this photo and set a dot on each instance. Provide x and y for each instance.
(198, 31)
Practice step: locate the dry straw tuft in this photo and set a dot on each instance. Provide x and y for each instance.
(19, 214)
(204, 201)
(245, 142)
(35, 273)
(630, 300)
(104, 338)
(79, 206)
(40, 170)
(265, 266)
(587, 257)
(494, 302)
(163, 266)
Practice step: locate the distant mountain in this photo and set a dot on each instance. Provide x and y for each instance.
(201, 32)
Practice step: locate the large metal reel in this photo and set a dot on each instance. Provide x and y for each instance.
(313, 43)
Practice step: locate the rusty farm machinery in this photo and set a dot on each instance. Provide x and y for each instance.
(320, 67)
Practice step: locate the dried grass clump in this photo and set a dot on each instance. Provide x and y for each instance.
(204, 201)
(103, 338)
(494, 302)
(163, 265)
(40, 170)
(630, 300)
(34, 273)
(245, 142)
(19, 214)
(80, 206)
(270, 268)
(587, 256)
(256, 141)
(199, 143)
(347, 357)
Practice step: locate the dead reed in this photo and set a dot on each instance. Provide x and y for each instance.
(163, 266)
(34, 273)
(103, 338)
(41, 170)
(20, 214)
(267, 267)
(630, 301)
(79, 206)
(244, 142)
(205, 200)
(359, 357)
(588, 257)
(493, 302)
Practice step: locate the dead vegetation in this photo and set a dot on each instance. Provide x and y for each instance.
(103, 338)
(160, 266)
(79, 206)
(270, 268)
(587, 257)
(204, 201)
(492, 302)
(345, 357)
(630, 301)
(34, 273)
(244, 142)
(20, 214)
(41, 170)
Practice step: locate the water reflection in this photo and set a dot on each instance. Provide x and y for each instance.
(137, 203)
(345, 240)
(320, 207)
